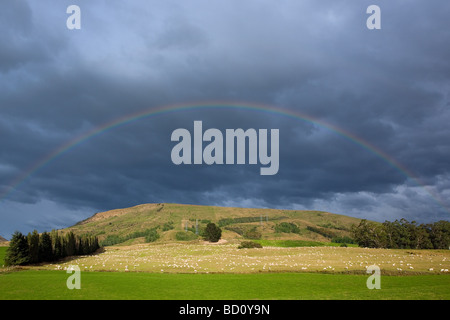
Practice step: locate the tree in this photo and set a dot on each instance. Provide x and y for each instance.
(249, 245)
(391, 234)
(57, 245)
(361, 233)
(45, 247)
(422, 238)
(84, 245)
(152, 236)
(369, 234)
(78, 245)
(253, 233)
(212, 232)
(18, 252)
(402, 234)
(70, 244)
(96, 244)
(440, 234)
(33, 245)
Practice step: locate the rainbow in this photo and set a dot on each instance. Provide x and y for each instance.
(210, 105)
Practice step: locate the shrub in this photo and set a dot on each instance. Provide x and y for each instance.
(152, 235)
(287, 227)
(323, 232)
(344, 239)
(112, 239)
(332, 226)
(226, 221)
(168, 226)
(252, 234)
(249, 245)
(238, 230)
(212, 233)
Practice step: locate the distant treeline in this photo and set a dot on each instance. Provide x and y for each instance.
(402, 234)
(227, 221)
(322, 231)
(287, 227)
(150, 235)
(47, 247)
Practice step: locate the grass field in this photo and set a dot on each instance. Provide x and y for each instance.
(299, 243)
(196, 257)
(42, 284)
(282, 270)
(2, 255)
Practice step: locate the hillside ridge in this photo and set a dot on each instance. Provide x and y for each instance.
(171, 220)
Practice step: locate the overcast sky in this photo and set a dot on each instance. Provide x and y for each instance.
(389, 87)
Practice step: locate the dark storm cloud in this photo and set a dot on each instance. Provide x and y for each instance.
(388, 87)
(16, 25)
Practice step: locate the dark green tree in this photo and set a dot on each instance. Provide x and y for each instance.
(85, 245)
(152, 236)
(422, 238)
(70, 244)
(96, 244)
(391, 234)
(402, 234)
(57, 246)
(212, 232)
(361, 233)
(369, 234)
(253, 233)
(18, 252)
(79, 245)
(45, 247)
(287, 227)
(439, 233)
(33, 245)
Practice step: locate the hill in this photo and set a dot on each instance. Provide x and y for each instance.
(3, 243)
(185, 222)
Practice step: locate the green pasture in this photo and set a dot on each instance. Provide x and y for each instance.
(2, 255)
(44, 285)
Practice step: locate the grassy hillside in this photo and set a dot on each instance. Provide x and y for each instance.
(131, 225)
(3, 242)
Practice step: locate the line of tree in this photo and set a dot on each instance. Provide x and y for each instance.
(402, 234)
(322, 231)
(227, 221)
(151, 235)
(47, 247)
(287, 227)
(263, 217)
(343, 239)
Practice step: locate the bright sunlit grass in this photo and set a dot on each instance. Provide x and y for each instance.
(41, 284)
